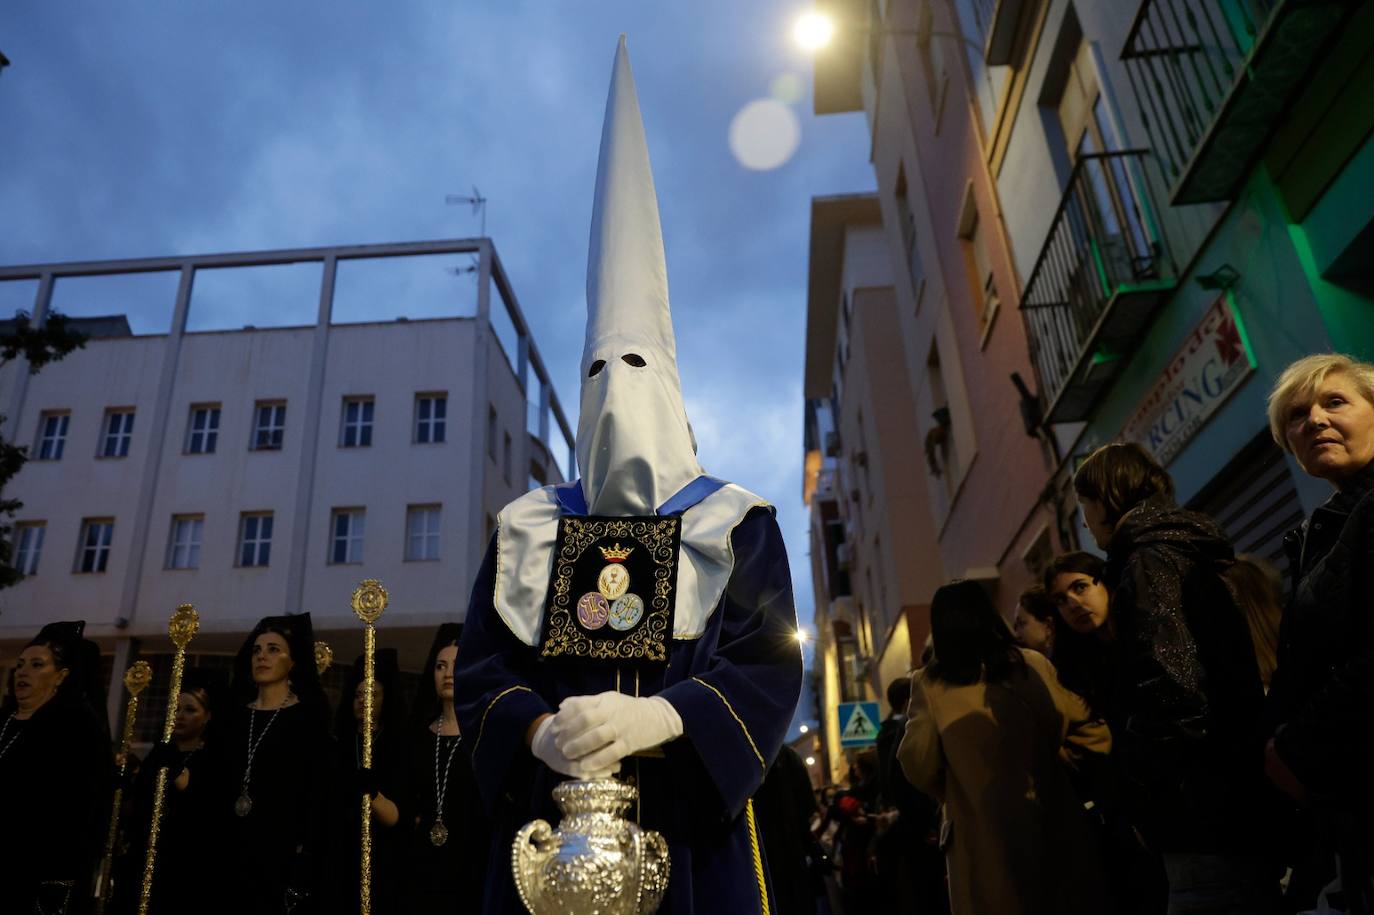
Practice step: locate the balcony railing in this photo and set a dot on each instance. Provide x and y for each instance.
(1102, 271)
(1212, 78)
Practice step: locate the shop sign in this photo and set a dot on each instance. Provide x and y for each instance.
(1212, 364)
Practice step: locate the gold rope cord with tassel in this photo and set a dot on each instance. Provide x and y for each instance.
(369, 601)
(758, 856)
(180, 628)
(138, 676)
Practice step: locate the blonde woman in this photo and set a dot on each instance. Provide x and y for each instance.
(1322, 412)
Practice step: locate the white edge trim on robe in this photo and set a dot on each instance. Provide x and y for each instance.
(527, 528)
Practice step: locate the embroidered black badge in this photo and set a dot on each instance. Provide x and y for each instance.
(613, 589)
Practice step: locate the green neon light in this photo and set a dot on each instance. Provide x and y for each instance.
(1101, 267)
(1147, 286)
(1240, 326)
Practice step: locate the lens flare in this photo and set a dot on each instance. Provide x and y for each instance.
(764, 134)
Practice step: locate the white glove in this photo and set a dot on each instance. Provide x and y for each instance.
(543, 746)
(599, 731)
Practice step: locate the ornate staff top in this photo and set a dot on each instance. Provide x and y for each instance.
(184, 623)
(138, 676)
(324, 656)
(370, 600)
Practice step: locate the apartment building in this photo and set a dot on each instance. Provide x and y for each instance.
(1141, 209)
(264, 470)
(874, 551)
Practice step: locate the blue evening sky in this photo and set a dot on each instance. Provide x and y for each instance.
(149, 127)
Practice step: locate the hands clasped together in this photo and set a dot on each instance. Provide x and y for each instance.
(590, 735)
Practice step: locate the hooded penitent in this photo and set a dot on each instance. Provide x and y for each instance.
(635, 448)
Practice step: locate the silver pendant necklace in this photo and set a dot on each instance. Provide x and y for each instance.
(244, 805)
(4, 729)
(438, 833)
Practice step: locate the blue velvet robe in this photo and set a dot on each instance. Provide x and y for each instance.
(735, 688)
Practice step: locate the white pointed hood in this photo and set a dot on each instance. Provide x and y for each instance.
(634, 446)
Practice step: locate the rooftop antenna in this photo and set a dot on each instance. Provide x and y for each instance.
(476, 201)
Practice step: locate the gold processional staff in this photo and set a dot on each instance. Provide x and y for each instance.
(181, 627)
(324, 656)
(369, 601)
(138, 676)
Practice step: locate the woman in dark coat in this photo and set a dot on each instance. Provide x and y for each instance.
(1186, 704)
(273, 772)
(449, 838)
(1085, 656)
(384, 781)
(190, 832)
(56, 772)
(1322, 412)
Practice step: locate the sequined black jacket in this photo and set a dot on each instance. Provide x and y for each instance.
(1322, 696)
(1187, 705)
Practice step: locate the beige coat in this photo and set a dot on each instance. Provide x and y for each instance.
(997, 754)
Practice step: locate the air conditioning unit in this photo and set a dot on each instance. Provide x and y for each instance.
(833, 446)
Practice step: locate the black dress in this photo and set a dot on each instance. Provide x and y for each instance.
(388, 843)
(55, 791)
(449, 877)
(273, 857)
(190, 834)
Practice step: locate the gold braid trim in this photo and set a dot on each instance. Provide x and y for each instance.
(739, 721)
(499, 697)
(758, 858)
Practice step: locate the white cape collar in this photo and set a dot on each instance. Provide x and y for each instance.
(527, 528)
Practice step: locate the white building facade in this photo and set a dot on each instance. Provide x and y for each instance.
(262, 471)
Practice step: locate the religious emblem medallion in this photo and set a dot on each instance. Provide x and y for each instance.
(438, 833)
(614, 581)
(592, 610)
(243, 805)
(625, 612)
(613, 589)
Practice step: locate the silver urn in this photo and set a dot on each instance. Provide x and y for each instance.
(596, 862)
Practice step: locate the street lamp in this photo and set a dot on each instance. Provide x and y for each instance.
(810, 760)
(805, 729)
(813, 31)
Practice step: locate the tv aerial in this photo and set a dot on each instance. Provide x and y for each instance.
(476, 201)
(479, 206)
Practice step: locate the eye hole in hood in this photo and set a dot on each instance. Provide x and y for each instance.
(596, 368)
(633, 359)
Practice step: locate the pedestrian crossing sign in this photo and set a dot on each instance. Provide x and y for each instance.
(858, 724)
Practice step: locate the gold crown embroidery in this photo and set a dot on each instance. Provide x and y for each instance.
(616, 553)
